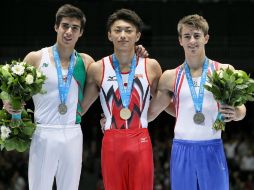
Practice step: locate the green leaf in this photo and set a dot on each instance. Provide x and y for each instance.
(3, 115)
(10, 144)
(28, 130)
(4, 95)
(225, 76)
(239, 81)
(16, 102)
(241, 87)
(15, 131)
(22, 145)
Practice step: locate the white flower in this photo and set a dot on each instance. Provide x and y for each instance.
(30, 68)
(5, 132)
(18, 69)
(6, 67)
(38, 73)
(22, 63)
(29, 79)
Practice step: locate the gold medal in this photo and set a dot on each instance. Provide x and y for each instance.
(62, 109)
(125, 113)
(199, 118)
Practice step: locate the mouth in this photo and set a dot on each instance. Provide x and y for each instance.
(122, 41)
(67, 39)
(193, 47)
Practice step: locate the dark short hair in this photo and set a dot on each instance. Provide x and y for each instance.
(70, 11)
(126, 15)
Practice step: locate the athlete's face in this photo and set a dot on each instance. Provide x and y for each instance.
(123, 34)
(68, 31)
(193, 40)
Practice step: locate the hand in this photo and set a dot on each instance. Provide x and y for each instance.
(141, 51)
(103, 122)
(228, 112)
(8, 107)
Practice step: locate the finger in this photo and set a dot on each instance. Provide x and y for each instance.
(228, 117)
(139, 49)
(146, 54)
(226, 107)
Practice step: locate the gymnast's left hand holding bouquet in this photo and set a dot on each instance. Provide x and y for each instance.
(19, 81)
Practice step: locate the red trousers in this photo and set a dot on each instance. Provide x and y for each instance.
(127, 160)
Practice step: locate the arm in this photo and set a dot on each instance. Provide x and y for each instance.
(94, 77)
(171, 108)
(162, 98)
(33, 58)
(153, 73)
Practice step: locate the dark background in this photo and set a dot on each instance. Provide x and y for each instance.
(29, 25)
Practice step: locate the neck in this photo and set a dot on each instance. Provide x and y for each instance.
(124, 59)
(64, 55)
(196, 65)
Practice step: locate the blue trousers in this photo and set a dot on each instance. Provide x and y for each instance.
(198, 165)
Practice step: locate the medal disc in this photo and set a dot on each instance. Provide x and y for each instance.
(125, 113)
(62, 109)
(199, 118)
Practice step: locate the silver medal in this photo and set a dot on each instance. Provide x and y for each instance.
(62, 108)
(199, 118)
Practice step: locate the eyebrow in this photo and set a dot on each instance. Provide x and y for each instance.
(127, 27)
(71, 24)
(187, 34)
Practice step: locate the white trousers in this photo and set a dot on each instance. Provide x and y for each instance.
(56, 151)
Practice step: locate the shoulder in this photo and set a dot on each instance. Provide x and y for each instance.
(33, 58)
(152, 62)
(95, 72)
(169, 75)
(153, 65)
(87, 59)
(167, 79)
(95, 67)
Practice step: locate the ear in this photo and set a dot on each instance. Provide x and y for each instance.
(207, 38)
(56, 28)
(109, 36)
(180, 40)
(138, 36)
(81, 33)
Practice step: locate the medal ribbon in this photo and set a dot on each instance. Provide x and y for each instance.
(63, 87)
(197, 100)
(125, 93)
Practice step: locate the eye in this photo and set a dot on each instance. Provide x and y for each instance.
(128, 31)
(117, 30)
(75, 28)
(65, 26)
(197, 36)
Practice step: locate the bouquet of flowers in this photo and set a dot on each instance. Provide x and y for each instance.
(19, 82)
(231, 87)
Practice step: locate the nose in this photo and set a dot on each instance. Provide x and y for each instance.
(69, 30)
(122, 34)
(192, 39)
